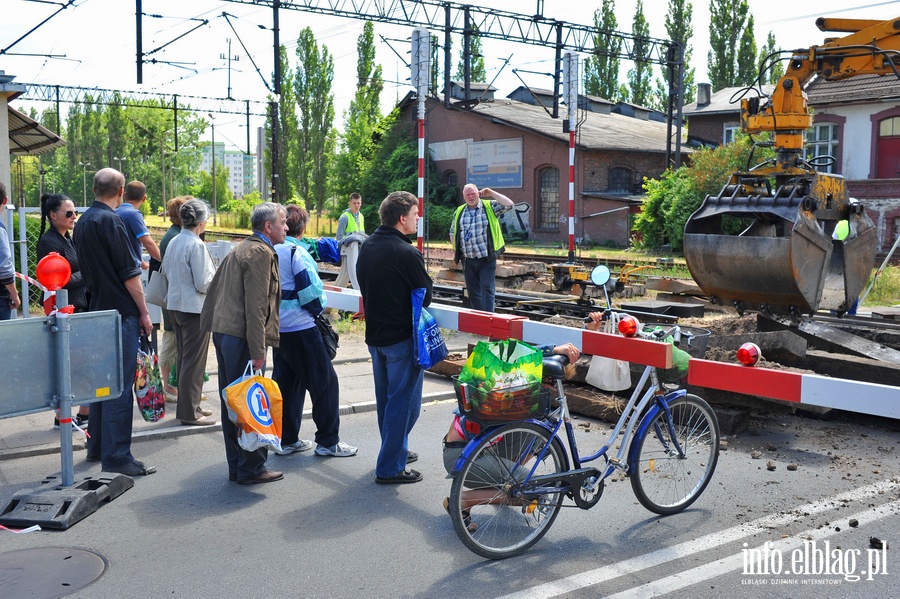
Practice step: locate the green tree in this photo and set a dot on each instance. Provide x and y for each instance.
(315, 102)
(601, 72)
(360, 120)
(775, 67)
(477, 71)
(203, 188)
(640, 75)
(679, 29)
(747, 69)
(726, 25)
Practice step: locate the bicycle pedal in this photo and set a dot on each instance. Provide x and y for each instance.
(617, 463)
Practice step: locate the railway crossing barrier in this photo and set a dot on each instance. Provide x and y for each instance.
(802, 389)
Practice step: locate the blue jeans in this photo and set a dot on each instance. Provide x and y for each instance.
(480, 276)
(110, 424)
(232, 355)
(398, 397)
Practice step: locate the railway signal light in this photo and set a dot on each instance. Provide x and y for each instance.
(749, 354)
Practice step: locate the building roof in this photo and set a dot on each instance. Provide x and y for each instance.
(860, 89)
(724, 101)
(28, 138)
(596, 131)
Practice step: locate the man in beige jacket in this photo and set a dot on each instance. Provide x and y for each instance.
(241, 311)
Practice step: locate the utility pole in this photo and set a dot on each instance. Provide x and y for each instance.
(235, 58)
(215, 200)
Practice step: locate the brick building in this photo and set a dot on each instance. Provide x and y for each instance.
(614, 153)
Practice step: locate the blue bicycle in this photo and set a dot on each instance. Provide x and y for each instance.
(511, 479)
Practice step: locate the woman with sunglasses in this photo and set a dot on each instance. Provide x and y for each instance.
(60, 211)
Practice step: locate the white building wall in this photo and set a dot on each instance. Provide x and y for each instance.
(856, 149)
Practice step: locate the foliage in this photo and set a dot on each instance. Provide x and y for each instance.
(601, 72)
(726, 25)
(477, 71)
(886, 289)
(138, 140)
(672, 198)
(775, 68)
(746, 58)
(203, 188)
(438, 219)
(357, 142)
(639, 76)
(394, 168)
(679, 29)
(315, 102)
(288, 149)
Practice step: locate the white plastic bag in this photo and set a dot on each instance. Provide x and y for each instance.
(609, 374)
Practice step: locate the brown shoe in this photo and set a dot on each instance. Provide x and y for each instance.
(269, 476)
(204, 421)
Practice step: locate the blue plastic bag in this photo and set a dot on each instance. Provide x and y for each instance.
(428, 343)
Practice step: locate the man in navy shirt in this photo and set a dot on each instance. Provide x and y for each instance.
(130, 213)
(113, 280)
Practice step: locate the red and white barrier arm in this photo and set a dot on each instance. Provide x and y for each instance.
(804, 389)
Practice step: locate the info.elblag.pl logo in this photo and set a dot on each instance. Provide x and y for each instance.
(802, 564)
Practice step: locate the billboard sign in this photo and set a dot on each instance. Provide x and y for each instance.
(495, 163)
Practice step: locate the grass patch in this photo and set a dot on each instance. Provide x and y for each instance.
(886, 291)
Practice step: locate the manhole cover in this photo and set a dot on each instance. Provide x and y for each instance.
(48, 572)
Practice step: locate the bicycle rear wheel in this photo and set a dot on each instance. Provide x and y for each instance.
(664, 482)
(492, 513)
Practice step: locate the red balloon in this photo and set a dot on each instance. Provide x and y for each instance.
(53, 271)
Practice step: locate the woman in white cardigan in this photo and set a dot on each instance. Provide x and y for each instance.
(190, 270)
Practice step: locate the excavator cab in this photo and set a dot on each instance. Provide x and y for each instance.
(789, 259)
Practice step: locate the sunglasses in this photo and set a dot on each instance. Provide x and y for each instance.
(70, 213)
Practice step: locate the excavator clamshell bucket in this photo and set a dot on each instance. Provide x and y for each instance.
(784, 263)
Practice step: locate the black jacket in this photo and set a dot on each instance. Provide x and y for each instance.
(388, 269)
(52, 241)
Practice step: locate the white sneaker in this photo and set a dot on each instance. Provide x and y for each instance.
(341, 450)
(300, 445)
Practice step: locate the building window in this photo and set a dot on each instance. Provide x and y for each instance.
(619, 180)
(549, 190)
(822, 140)
(451, 179)
(889, 127)
(728, 133)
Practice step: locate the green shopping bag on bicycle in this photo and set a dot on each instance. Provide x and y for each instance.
(501, 380)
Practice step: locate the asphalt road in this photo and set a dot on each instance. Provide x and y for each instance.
(327, 530)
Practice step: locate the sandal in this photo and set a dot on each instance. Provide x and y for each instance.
(405, 477)
(467, 516)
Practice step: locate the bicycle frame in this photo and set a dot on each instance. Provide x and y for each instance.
(648, 390)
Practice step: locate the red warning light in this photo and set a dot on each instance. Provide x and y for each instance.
(53, 271)
(749, 354)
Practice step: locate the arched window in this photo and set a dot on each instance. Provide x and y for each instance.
(451, 178)
(619, 180)
(549, 197)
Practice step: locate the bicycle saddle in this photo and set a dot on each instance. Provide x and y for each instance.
(555, 367)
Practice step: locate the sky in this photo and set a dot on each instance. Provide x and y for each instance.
(93, 44)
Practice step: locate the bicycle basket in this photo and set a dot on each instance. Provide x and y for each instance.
(513, 403)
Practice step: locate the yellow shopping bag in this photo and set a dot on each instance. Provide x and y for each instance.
(254, 405)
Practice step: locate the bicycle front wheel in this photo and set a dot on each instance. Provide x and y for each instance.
(494, 514)
(663, 481)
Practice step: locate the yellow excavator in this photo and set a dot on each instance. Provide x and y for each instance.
(804, 245)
